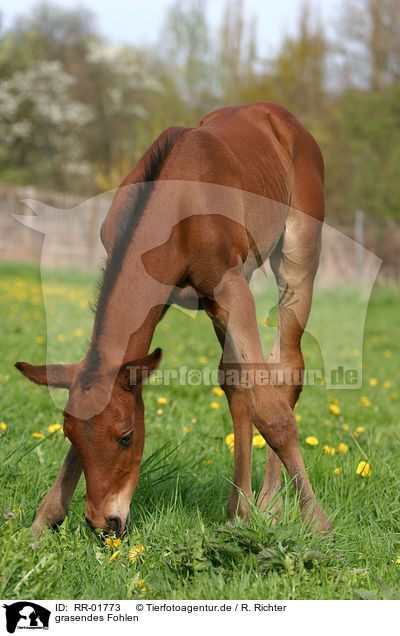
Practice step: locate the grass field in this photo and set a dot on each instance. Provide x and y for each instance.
(179, 542)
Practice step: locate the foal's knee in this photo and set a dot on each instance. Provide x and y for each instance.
(276, 422)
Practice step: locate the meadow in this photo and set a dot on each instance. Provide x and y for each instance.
(179, 544)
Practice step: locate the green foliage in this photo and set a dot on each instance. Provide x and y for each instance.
(76, 113)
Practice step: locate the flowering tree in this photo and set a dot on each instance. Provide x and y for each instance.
(40, 125)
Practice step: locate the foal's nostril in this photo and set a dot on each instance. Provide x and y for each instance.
(91, 526)
(114, 524)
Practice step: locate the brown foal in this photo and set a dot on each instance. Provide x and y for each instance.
(201, 210)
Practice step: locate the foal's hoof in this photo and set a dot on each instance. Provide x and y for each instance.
(318, 521)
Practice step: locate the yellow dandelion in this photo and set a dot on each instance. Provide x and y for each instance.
(398, 560)
(116, 543)
(162, 400)
(373, 381)
(39, 339)
(259, 441)
(114, 556)
(328, 450)
(364, 469)
(345, 427)
(207, 461)
(337, 471)
(3, 426)
(360, 429)
(298, 418)
(332, 400)
(334, 409)
(230, 441)
(108, 543)
(187, 429)
(394, 396)
(54, 427)
(78, 333)
(387, 384)
(159, 411)
(194, 420)
(218, 391)
(61, 337)
(202, 359)
(365, 401)
(312, 441)
(214, 405)
(38, 435)
(387, 353)
(135, 551)
(342, 448)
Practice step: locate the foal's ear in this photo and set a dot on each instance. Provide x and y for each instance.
(57, 375)
(133, 373)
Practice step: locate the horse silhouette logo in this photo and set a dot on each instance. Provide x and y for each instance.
(26, 615)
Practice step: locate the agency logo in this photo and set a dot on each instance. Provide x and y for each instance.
(26, 615)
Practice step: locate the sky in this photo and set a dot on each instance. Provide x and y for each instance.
(138, 22)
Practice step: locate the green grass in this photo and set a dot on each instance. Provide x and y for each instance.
(178, 512)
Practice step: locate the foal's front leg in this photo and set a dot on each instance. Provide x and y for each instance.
(55, 504)
(234, 310)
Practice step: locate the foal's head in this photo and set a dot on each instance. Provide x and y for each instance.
(110, 443)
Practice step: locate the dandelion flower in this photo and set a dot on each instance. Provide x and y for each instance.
(218, 391)
(334, 409)
(259, 441)
(387, 353)
(159, 411)
(373, 381)
(360, 429)
(135, 551)
(116, 543)
(387, 384)
(329, 450)
(230, 441)
(54, 427)
(187, 429)
(202, 359)
(394, 396)
(365, 401)
(363, 469)
(114, 556)
(194, 420)
(398, 560)
(39, 339)
(162, 400)
(298, 418)
(312, 441)
(333, 400)
(342, 448)
(78, 333)
(3, 426)
(108, 543)
(214, 405)
(61, 337)
(337, 471)
(38, 435)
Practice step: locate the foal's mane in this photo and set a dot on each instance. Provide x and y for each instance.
(129, 217)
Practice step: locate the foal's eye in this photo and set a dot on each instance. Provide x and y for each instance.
(125, 440)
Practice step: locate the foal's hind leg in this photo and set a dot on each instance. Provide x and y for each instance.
(286, 366)
(55, 504)
(294, 263)
(233, 311)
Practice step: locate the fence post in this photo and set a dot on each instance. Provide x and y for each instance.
(359, 239)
